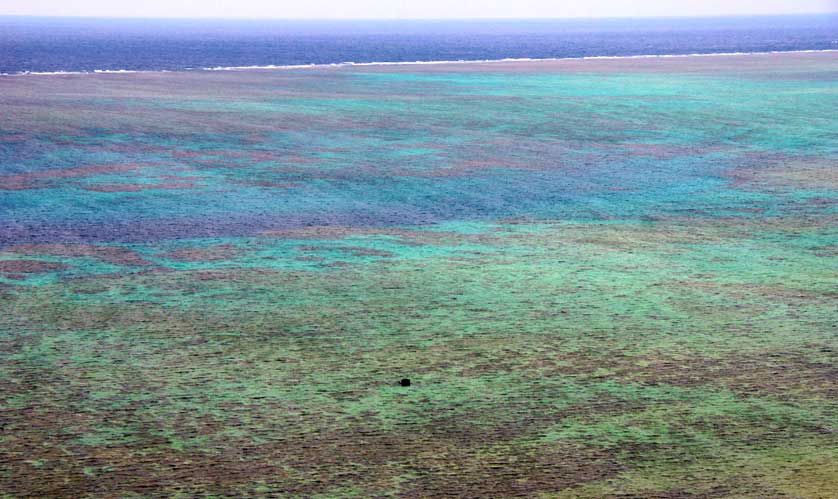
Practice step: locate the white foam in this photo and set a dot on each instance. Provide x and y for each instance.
(509, 59)
(416, 63)
(95, 71)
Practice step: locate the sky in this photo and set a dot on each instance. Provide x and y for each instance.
(406, 9)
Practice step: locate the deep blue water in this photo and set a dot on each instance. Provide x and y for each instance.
(79, 44)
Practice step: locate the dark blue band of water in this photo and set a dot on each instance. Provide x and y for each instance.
(83, 44)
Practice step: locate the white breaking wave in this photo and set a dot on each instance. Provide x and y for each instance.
(412, 63)
(509, 59)
(95, 71)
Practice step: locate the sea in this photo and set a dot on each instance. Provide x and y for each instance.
(50, 45)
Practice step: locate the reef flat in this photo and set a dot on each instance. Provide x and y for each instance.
(604, 279)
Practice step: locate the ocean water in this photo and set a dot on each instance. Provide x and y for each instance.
(80, 44)
(605, 278)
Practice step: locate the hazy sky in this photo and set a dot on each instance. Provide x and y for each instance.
(409, 9)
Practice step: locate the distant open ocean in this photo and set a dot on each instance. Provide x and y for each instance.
(83, 44)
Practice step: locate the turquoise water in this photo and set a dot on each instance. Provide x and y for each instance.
(605, 279)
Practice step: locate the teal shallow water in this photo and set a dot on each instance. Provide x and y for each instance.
(617, 281)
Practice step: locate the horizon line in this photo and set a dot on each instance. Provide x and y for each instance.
(488, 18)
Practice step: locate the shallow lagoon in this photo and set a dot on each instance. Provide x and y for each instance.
(604, 278)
